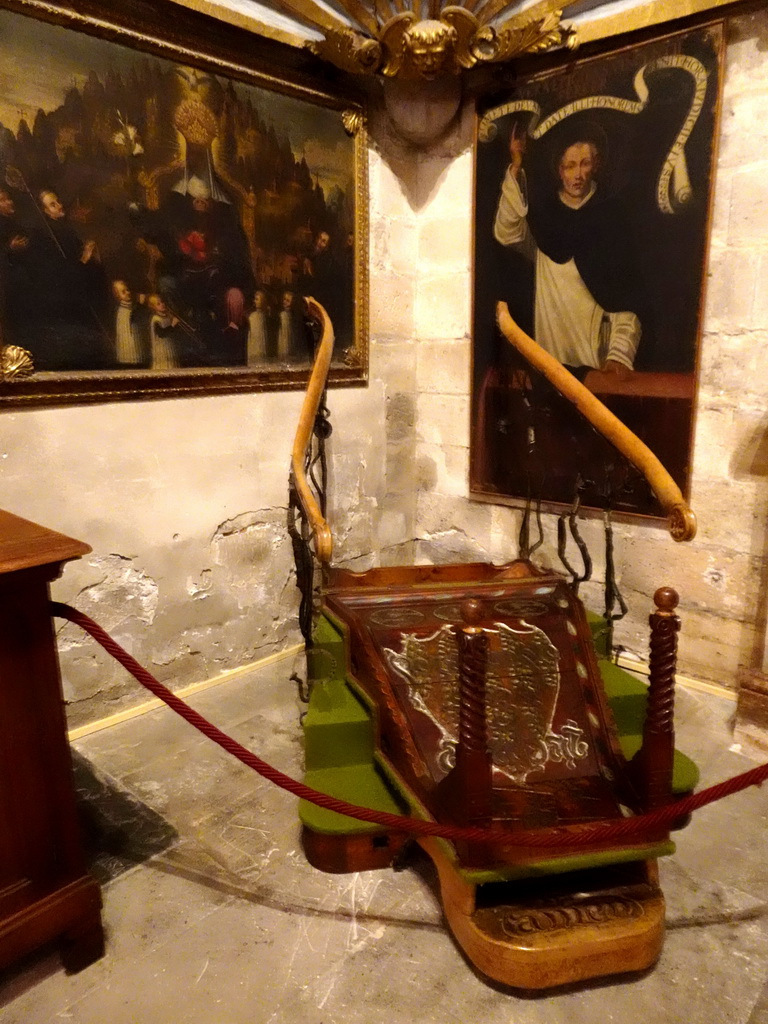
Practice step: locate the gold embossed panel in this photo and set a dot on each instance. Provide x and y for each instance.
(522, 687)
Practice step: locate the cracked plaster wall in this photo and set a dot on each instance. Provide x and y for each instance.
(723, 575)
(184, 504)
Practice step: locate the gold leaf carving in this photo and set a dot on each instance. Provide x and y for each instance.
(513, 40)
(451, 40)
(15, 362)
(353, 121)
(349, 51)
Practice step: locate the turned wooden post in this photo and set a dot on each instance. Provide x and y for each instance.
(466, 790)
(655, 759)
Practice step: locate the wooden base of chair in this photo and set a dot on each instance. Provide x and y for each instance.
(553, 931)
(535, 933)
(398, 721)
(339, 854)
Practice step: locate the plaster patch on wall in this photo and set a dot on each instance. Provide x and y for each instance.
(201, 589)
(124, 601)
(122, 593)
(218, 599)
(426, 470)
(716, 578)
(248, 544)
(447, 546)
(348, 471)
(401, 416)
(253, 566)
(354, 534)
(174, 654)
(238, 524)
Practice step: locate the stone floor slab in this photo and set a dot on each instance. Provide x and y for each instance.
(230, 925)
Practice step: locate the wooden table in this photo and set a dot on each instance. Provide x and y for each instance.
(46, 893)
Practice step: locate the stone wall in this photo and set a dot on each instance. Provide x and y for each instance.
(184, 501)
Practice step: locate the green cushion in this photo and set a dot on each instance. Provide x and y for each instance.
(627, 697)
(359, 784)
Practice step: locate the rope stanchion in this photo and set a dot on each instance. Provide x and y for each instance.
(627, 831)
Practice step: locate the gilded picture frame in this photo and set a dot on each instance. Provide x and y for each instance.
(593, 189)
(170, 190)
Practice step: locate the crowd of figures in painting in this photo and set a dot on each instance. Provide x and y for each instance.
(162, 219)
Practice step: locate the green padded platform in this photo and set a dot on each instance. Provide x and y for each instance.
(340, 757)
(627, 697)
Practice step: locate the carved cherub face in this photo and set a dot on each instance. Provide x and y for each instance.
(429, 45)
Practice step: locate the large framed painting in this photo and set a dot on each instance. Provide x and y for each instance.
(166, 203)
(593, 193)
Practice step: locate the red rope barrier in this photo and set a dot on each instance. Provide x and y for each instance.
(630, 831)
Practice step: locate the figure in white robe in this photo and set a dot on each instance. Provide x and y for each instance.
(129, 346)
(569, 321)
(162, 330)
(259, 345)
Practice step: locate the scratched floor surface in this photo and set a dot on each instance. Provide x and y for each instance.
(227, 924)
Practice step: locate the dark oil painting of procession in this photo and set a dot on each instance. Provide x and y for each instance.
(158, 217)
(592, 209)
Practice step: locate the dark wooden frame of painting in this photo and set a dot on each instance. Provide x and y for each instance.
(498, 470)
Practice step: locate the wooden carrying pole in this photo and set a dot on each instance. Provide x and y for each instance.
(321, 531)
(681, 519)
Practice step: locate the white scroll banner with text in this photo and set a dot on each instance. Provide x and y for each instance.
(673, 188)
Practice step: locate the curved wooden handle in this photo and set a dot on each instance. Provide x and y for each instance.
(681, 519)
(321, 531)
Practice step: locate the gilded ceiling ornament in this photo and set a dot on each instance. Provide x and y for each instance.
(430, 40)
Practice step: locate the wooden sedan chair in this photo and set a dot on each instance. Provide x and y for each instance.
(476, 695)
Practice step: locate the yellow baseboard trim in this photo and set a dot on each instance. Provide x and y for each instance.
(624, 661)
(689, 682)
(186, 691)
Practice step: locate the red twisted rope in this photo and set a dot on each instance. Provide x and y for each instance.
(643, 828)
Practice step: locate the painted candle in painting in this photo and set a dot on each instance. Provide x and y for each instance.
(593, 192)
(155, 216)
